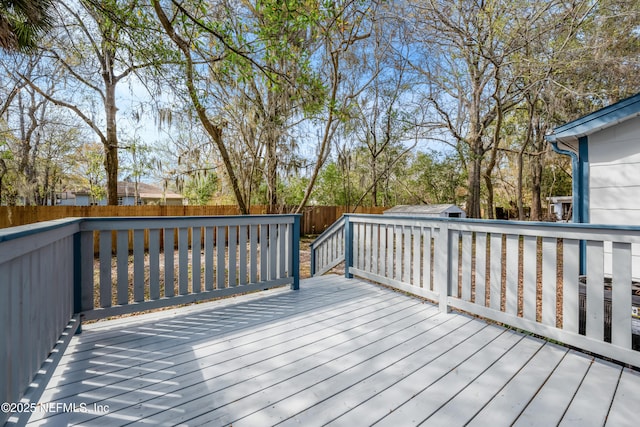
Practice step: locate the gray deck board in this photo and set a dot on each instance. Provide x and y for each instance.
(337, 352)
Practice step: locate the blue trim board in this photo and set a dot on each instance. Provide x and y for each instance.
(597, 120)
(581, 198)
(348, 247)
(295, 249)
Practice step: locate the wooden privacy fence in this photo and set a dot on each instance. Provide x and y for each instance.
(573, 283)
(315, 219)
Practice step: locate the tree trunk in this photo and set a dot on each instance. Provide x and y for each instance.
(214, 131)
(475, 174)
(111, 143)
(374, 180)
(537, 166)
(520, 185)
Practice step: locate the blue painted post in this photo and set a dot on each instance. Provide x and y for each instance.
(295, 253)
(348, 247)
(581, 175)
(313, 260)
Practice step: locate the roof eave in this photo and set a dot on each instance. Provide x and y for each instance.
(597, 121)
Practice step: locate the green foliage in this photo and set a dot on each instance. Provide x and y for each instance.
(23, 22)
(330, 187)
(199, 189)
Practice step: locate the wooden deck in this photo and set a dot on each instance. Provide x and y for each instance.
(339, 352)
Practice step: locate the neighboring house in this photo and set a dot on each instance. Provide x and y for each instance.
(147, 195)
(444, 211)
(605, 148)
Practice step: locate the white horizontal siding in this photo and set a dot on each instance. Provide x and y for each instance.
(619, 205)
(635, 260)
(617, 144)
(614, 181)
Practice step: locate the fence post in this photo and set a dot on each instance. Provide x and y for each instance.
(442, 275)
(295, 252)
(348, 247)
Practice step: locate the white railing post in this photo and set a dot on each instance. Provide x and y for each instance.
(442, 276)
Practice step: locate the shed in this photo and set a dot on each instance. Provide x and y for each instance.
(560, 208)
(605, 151)
(443, 211)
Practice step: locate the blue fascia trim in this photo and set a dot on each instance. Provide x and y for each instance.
(598, 120)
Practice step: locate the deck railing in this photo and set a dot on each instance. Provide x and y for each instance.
(571, 283)
(328, 248)
(51, 276)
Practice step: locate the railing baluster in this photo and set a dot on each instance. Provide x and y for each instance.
(154, 264)
(595, 293)
(282, 250)
(481, 269)
(208, 258)
(366, 250)
(264, 252)
(86, 271)
(242, 242)
(122, 265)
(454, 263)
(512, 254)
(570, 285)
(105, 269)
(529, 279)
(382, 259)
(196, 247)
(621, 295)
(169, 270)
(416, 256)
(390, 251)
(549, 278)
(426, 258)
(233, 255)
(273, 251)
(183, 261)
(467, 240)
(253, 253)
(495, 278)
(398, 251)
(138, 265)
(221, 239)
(406, 247)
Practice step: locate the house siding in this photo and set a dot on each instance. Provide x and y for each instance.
(614, 162)
(614, 187)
